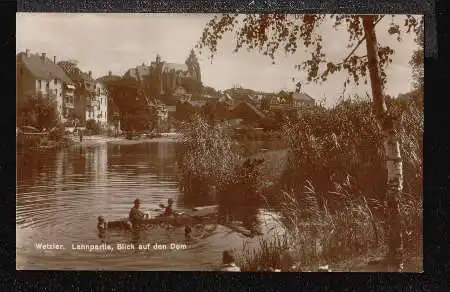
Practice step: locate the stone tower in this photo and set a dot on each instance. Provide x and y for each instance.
(194, 66)
(156, 78)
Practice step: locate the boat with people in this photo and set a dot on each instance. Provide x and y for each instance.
(201, 214)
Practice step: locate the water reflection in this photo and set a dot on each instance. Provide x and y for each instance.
(61, 194)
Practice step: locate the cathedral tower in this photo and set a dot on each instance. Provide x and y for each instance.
(194, 66)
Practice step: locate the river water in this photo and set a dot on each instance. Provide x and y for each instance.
(61, 193)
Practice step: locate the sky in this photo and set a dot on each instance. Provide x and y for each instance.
(117, 42)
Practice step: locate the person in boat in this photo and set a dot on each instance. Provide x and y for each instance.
(188, 232)
(168, 209)
(228, 262)
(136, 215)
(101, 227)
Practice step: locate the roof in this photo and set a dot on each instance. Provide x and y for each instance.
(108, 78)
(226, 97)
(252, 107)
(242, 97)
(174, 66)
(43, 69)
(302, 96)
(85, 76)
(138, 72)
(142, 70)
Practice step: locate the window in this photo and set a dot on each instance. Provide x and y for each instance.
(40, 84)
(56, 81)
(48, 85)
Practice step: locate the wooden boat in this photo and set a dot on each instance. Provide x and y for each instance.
(204, 214)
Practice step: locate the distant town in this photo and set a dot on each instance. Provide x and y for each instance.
(148, 97)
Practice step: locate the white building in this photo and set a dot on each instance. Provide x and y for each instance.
(37, 75)
(97, 108)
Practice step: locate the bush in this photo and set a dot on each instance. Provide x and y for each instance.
(334, 183)
(38, 111)
(210, 163)
(93, 127)
(344, 144)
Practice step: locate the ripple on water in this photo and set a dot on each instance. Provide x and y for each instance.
(60, 195)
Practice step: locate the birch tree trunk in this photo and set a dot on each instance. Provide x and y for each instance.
(394, 184)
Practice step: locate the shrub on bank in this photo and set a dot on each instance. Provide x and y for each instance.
(334, 183)
(211, 165)
(93, 127)
(344, 145)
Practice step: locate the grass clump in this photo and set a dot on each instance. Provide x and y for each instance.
(332, 195)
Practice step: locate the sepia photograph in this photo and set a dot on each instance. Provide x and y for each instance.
(219, 142)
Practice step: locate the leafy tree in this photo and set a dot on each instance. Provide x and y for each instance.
(133, 105)
(417, 60)
(37, 111)
(270, 33)
(210, 91)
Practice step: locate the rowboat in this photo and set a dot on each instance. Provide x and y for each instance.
(203, 214)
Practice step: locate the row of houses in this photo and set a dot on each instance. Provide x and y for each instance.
(238, 109)
(77, 95)
(170, 89)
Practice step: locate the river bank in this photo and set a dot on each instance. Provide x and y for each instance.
(98, 139)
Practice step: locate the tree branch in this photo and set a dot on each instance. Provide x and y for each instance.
(360, 41)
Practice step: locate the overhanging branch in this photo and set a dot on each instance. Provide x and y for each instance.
(360, 41)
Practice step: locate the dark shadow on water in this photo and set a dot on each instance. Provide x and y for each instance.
(237, 209)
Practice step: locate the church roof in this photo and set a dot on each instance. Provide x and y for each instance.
(174, 66)
(139, 72)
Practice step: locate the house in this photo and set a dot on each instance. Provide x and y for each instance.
(279, 103)
(113, 111)
(227, 99)
(97, 106)
(257, 99)
(37, 75)
(246, 113)
(170, 103)
(86, 98)
(84, 89)
(301, 99)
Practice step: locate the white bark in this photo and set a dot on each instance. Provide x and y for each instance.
(393, 162)
(394, 184)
